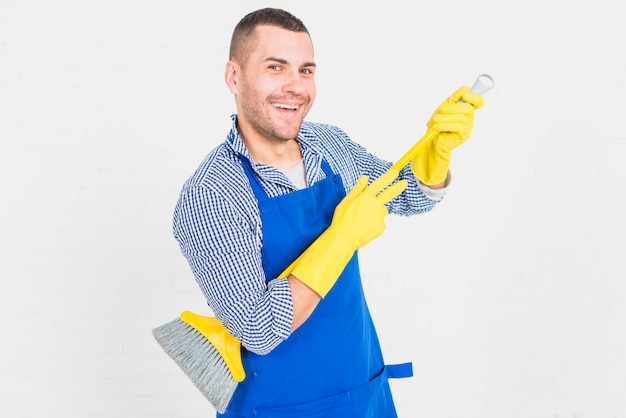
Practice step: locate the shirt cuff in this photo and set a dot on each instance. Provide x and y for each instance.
(281, 306)
(435, 194)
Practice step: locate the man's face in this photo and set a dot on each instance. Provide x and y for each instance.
(275, 86)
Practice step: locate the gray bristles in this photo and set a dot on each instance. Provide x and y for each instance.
(200, 361)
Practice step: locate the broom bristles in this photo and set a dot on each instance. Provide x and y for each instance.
(200, 361)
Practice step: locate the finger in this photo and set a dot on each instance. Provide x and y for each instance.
(383, 181)
(453, 117)
(456, 108)
(360, 185)
(452, 124)
(458, 94)
(475, 99)
(392, 191)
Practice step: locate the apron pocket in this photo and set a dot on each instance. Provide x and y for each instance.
(372, 399)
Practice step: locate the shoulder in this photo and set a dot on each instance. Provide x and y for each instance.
(217, 168)
(219, 182)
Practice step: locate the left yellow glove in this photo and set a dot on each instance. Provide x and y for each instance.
(453, 121)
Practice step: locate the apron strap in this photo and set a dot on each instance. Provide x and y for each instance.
(258, 190)
(326, 168)
(399, 371)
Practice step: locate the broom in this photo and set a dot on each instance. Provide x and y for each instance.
(202, 346)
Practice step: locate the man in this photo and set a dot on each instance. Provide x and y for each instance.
(275, 192)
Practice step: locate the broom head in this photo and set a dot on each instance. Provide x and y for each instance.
(194, 343)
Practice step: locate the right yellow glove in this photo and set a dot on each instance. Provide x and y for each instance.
(453, 122)
(358, 219)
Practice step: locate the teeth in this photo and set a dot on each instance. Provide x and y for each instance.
(284, 106)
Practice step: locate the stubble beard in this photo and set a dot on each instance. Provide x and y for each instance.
(256, 113)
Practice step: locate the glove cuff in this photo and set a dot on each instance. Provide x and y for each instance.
(430, 170)
(322, 263)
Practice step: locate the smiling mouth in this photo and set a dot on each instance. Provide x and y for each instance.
(285, 106)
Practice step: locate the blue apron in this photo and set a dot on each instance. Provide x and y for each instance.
(332, 365)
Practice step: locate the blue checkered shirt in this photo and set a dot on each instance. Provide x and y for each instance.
(218, 227)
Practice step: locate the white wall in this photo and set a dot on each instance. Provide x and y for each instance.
(508, 298)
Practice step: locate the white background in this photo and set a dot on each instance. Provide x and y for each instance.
(508, 298)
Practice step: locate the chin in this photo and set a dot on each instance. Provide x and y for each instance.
(290, 132)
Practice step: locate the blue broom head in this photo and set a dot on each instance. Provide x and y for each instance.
(200, 361)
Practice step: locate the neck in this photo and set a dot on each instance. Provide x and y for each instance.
(278, 153)
(283, 155)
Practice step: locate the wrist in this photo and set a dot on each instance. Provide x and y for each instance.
(436, 186)
(441, 185)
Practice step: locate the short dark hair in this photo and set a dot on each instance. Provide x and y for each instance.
(241, 41)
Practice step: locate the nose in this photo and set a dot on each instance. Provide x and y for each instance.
(293, 83)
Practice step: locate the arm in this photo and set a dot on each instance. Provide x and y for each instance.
(304, 301)
(223, 248)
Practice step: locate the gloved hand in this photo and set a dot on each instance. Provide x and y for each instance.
(357, 220)
(454, 122)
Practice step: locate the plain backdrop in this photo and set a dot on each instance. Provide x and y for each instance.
(508, 298)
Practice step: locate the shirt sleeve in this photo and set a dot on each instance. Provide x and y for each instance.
(223, 248)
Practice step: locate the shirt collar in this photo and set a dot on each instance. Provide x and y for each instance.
(309, 145)
(234, 140)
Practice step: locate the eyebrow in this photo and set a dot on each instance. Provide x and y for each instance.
(284, 61)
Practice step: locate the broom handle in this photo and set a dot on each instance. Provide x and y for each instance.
(483, 84)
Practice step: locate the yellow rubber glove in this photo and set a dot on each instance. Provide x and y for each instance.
(454, 122)
(225, 344)
(357, 220)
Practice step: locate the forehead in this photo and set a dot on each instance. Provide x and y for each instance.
(273, 41)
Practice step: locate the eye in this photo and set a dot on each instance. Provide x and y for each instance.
(274, 67)
(307, 71)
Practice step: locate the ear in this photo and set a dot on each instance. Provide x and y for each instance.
(231, 74)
